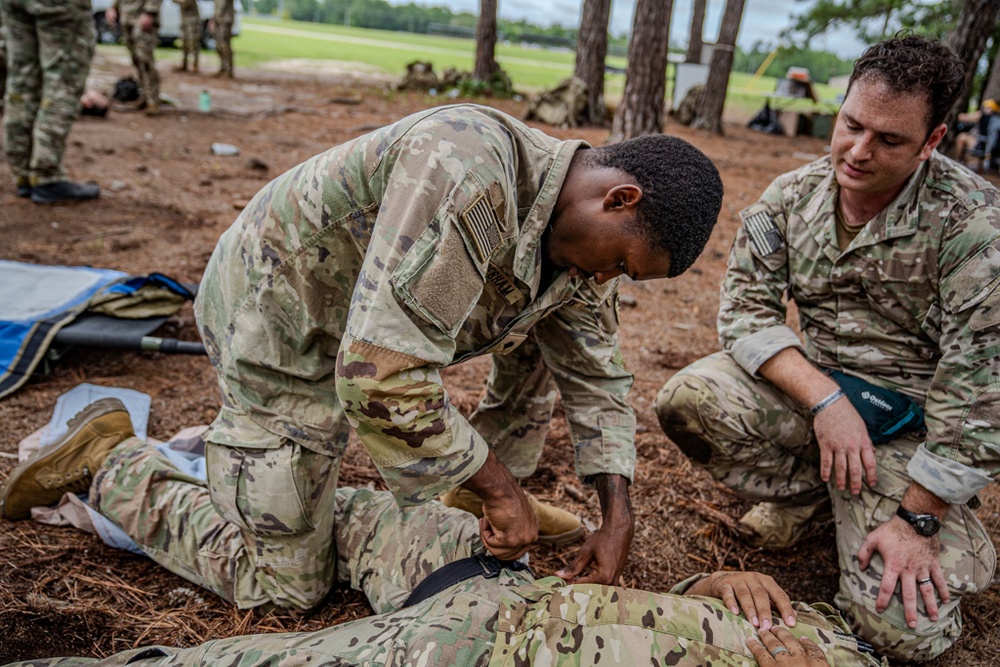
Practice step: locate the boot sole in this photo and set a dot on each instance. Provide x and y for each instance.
(81, 419)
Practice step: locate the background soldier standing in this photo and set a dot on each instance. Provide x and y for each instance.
(50, 46)
(224, 17)
(140, 20)
(190, 33)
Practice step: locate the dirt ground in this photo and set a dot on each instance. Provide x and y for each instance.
(166, 199)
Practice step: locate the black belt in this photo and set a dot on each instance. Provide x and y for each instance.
(483, 564)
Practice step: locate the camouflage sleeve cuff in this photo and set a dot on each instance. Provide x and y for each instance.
(752, 351)
(949, 480)
(420, 480)
(681, 588)
(611, 450)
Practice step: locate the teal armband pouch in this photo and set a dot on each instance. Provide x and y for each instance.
(888, 414)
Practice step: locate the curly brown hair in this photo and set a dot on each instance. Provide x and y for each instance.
(914, 65)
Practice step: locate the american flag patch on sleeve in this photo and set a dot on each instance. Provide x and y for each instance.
(763, 233)
(481, 222)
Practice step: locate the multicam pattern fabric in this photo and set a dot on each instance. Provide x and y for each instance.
(912, 304)
(757, 441)
(349, 282)
(225, 15)
(50, 44)
(334, 301)
(506, 620)
(141, 44)
(190, 31)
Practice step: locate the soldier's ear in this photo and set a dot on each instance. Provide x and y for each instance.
(623, 196)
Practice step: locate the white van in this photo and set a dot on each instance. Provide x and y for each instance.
(170, 22)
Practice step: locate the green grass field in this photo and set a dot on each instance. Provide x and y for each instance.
(265, 40)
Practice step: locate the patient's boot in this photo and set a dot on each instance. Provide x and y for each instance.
(69, 464)
(777, 525)
(556, 527)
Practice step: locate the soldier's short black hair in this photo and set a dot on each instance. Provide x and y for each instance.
(681, 193)
(915, 66)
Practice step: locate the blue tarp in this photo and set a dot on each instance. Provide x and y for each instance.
(37, 301)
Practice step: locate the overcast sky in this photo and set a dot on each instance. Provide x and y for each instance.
(762, 19)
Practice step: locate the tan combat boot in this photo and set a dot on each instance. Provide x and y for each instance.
(69, 463)
(779, 525)
(556, 527)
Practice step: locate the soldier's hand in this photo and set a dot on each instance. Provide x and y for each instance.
(508, 526)
(845, 448)
(110, 16)
(147, 22)
(602, 557)
(752, 593)
(780, 648)
(908, 559)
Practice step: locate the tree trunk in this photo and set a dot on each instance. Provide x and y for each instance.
(709, 114)
(968, 40)
(486, 41)
(591, 50)
(991, 91)
(694, 37)
(641, 110)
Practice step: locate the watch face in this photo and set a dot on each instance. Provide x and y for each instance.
(927, 526)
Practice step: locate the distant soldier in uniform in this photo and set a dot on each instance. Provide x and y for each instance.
(225, 14)
(340, 293)
(140, 22)
(440, 600)
(891, 253)
(190, 34)
(49, 52)
(3, 63)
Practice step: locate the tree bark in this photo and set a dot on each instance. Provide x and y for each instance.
(709, 114)
(991, 91)
(486, 41)
(591, 50)
(697, 28)
(641, 110)
(968, 41)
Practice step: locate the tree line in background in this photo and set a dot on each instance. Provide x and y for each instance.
(969, 27)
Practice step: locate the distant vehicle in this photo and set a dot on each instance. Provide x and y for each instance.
(170, 22)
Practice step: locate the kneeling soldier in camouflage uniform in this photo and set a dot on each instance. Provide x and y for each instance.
(440, 600)
(890, 252)
(344, 288)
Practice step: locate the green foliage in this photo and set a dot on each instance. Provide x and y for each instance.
(875, 20)
(821, 64)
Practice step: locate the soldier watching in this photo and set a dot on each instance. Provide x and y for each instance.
(890, 252)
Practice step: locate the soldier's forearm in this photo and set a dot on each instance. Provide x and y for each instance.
(790, 371)
(616, 507)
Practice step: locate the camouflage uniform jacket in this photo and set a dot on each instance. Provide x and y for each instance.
(130, 10)
(550, 623)
(356, 276)
(912, 304)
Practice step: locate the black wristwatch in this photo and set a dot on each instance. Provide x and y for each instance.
(925, 524)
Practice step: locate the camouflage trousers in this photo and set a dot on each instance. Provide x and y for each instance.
(191, 38)
(757, 441)
(224, 46)
(50, 44)
(506, 620)
(142, 47)
(513, 415)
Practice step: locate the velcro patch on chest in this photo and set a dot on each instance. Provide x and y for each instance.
(764, 234)
(481, 222)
